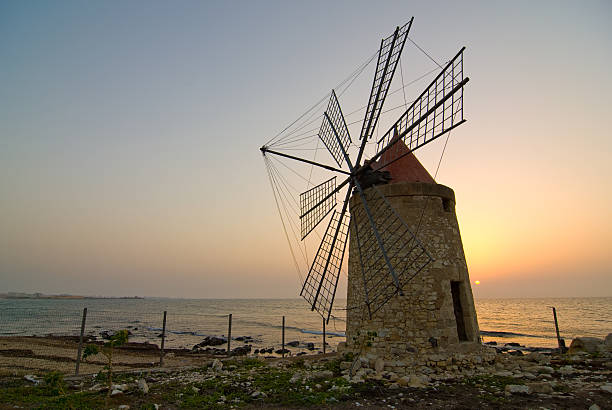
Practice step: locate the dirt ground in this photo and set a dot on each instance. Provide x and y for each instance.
(38, 355)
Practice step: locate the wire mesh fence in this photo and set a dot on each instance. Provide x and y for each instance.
(35, 340)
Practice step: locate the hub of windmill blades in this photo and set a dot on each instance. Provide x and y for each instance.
(389, 253)
(368, 176)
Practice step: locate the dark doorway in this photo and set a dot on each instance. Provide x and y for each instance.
(456, 291)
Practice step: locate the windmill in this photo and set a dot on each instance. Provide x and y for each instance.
(389, 253)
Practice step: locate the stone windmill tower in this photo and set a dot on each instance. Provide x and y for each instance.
(408, 287)
(436, 311)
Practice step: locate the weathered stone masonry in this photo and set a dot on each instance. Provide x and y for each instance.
(436, 313)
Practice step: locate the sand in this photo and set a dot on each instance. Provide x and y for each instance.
(38, 355)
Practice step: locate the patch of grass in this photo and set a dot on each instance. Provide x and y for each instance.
(54, 383)
(487, 382)
(492, 398)
(16, 393)
(244, 364)
(334, 366)
(298, 364)
(561, 388)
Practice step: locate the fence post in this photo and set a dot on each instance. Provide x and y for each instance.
(283, 339)
(163, 337)
(229, 334)
(78, 359)
(560, 341)
(323, 335)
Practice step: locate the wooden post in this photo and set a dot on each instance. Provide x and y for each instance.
(163, 337)
(560, 341)
(323, 336)
(78, 359)
(283, 340)
(229, 335)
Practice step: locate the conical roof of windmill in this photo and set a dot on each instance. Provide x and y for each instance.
(405, 169)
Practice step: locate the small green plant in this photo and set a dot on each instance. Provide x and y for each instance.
(54, 383)
(118, 339)
(298, 364)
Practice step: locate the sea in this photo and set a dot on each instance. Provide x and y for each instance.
(528, 322)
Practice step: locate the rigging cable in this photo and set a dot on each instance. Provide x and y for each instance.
(284, 202)
(424, 52)
(297, 268)
(403, 86)
(356, 72)
(279, 143)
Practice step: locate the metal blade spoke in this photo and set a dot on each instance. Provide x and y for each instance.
(388, 57)
(315, 204)
(395, 243)
(436, 111)
(334, 132)
(320, 286)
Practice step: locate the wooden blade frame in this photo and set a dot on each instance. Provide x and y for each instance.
(333, 132)
(320, 286)
(388, 57)
(315, 204)
(390, 255)
(435, 112)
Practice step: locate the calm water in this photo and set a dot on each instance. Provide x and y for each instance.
(527, 321)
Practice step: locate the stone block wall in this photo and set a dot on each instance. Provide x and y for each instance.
(423, 320)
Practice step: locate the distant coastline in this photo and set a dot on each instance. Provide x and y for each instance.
(20, 295)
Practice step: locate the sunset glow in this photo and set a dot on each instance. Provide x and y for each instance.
(129, 161)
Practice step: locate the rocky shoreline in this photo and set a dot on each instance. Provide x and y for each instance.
(486, 378)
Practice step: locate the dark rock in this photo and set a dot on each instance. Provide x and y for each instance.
(491, 343)
(212, 341)
(515, 353)
(295, 343)
(310, 346)
(281, 351)
(256, 351)
(301, 353)
(513, 344)
(586, 344)
(241, 350)
(105, 334)
(215, 351)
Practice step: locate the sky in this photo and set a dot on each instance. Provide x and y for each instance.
(129, 136)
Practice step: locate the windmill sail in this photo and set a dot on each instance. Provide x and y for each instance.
(320, 286)
(436, 111)
(388, 57)
(315, 204)
(389, 253)
(334, 132)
